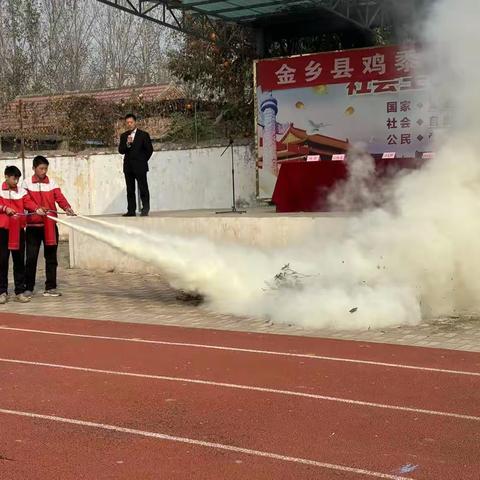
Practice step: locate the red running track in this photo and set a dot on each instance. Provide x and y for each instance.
(100, 400)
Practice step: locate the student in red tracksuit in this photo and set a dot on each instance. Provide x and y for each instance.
(46, 194)
(14, 200)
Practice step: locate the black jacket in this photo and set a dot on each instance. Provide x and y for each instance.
(138, 154)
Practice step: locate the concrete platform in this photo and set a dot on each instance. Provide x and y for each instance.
(260, 227)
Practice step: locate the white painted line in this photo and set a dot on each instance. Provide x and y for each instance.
(290, 393)
(243, 350)
(201, 443)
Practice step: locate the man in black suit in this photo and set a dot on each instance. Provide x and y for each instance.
(136, 146)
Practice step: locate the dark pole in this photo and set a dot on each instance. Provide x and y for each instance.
(22, 139)
(234, 206)
(234, 203)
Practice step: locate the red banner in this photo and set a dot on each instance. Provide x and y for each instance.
(381, 64)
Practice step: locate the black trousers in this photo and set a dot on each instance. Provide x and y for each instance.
(18, 257)
(141, 178)
(34, 238)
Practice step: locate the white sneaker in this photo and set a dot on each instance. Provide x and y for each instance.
(52, 293)
(22, 298)
(3, 299)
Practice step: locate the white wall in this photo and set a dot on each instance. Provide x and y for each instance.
(178, 180)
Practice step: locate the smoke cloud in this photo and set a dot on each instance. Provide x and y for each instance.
(416, 256)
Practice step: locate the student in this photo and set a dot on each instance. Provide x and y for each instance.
(46, 194)
(14, 201)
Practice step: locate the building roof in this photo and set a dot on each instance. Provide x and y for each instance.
(295, 135)
(148, 92)
(297, 144)
(246, 10)
(363, 13)
(38, 116)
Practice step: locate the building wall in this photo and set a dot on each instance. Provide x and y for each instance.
(179, 179)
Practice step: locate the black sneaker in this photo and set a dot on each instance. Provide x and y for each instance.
(128, 214)
(144, 214)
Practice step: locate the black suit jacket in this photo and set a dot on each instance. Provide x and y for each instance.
(138, 154)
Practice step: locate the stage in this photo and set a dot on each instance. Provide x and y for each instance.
(259, 227)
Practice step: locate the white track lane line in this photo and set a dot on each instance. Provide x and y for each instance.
(290, 393)
(243, 350)
(201, 443)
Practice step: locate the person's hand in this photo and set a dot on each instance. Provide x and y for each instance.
(70, 212)
(40, 211)
(10, 211)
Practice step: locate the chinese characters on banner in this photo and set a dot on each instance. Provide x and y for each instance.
(320, 104)
(363, 65)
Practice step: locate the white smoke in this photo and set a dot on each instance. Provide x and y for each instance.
(416, 257)
(363, 189)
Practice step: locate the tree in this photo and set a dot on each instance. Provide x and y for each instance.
(219, 71)
(19, 20)
(150, 55)
(67, 46)
(83, 119)
(52, 46)
(76, 38)
(115, 43)
(329, 41)
(128, 51)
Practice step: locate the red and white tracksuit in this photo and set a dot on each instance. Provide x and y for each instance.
(45, 194)
(17, 199)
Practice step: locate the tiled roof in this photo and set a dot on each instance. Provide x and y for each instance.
(38, 117)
